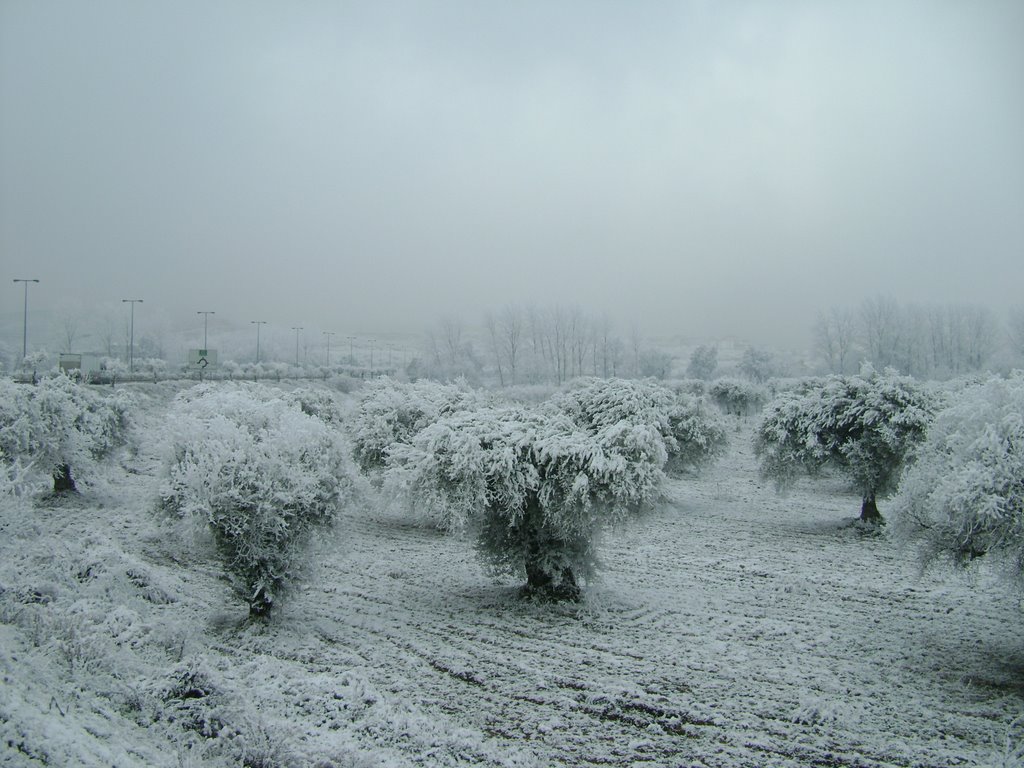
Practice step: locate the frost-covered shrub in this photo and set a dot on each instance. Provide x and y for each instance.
(699, 435)
(60, 427)
(344, 383)
(866, 426)
(696, 387)
(391, 413)
(758, 365)
(964, 496)
(192, 700)
(595, 403)
(703, 362)
(693, 436)
(534, 486)
(737, 397)
(320, 403)
(262, 474)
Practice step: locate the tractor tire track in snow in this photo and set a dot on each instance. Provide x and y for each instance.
(732, 628)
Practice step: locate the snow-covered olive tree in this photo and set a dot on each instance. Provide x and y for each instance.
(737, 397)
(533, 486)
(964, 496)
(698, 434)
(262, 475)
(866, 426)
(60, 427)
(390, 412)
(320, 403)
(703, 362)
(692, 433)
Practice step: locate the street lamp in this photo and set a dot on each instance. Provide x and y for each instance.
(206, 319)
(131, 338)
(371, 356)
(351, 350)
(328, 334)
(24, 317)
(258, 323)
(297, 328)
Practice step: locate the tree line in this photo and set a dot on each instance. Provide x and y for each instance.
(538, 345)
(929, 342)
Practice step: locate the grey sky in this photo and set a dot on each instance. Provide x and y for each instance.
(702, 168)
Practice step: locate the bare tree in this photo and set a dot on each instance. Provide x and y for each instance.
(491, 324)
(957, 339)
(70, 328)
(1016, 332)
(606, 340)
(835, 335)
(558, 341)
(703, 362)
(881, 324)
(511, 330)
(980, 337)
(536, 322)
(451, 337)
(635, 347)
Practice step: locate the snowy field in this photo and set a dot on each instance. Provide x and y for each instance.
(732, 627)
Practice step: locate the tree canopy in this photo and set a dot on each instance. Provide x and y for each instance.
(964, 496)
(865, 426)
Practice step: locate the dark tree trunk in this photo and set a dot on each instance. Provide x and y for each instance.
(869, 510)
(540, 582)
(260, 604)
(63, 482)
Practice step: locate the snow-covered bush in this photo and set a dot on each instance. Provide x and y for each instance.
(698, 387)
(964, 496)
(320, 403)
(533, 486)
(390, 413)
(866, 426)
(262, 474)
(693, 435)
(758, 365)
(699, 435)
(60, 428)
(737, 397)
(703, 362)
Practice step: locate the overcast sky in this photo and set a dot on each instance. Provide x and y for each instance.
(703, 168)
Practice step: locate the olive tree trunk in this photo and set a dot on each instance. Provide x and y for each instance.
(542, 581)
(869, 509)
(63, 482)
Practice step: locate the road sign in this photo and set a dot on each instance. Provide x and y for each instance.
(202, 358)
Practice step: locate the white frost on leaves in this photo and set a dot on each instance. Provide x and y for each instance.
(866, 426)
(964, 496)
(260, 472)
(58, 422)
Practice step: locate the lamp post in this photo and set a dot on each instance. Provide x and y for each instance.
(328, 335)
(258, 323)
(297, 328)
(206, 319)
(371, 356)
(351, 350)
(131, 337)
(24, 315)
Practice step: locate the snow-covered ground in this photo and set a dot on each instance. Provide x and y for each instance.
(732, 627)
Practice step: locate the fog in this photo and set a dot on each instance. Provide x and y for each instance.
(700, 168)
